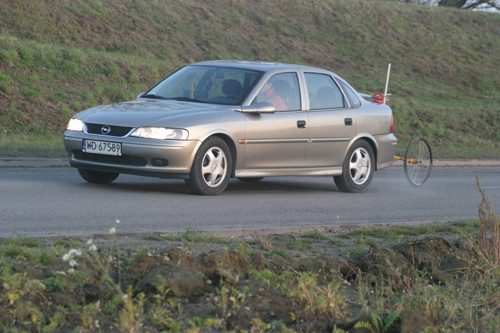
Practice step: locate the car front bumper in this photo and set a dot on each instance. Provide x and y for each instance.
(145, 157)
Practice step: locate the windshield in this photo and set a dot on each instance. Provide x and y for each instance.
(206, 84)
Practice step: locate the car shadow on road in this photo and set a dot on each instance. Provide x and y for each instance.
(281, 186)
(235, 187)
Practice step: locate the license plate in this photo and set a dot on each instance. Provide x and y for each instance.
(102, 147)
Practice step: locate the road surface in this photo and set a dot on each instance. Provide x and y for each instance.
(56, 201)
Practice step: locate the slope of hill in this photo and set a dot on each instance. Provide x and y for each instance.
(59, 57)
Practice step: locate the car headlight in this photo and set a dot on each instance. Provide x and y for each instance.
(160, 133)
(75, 125)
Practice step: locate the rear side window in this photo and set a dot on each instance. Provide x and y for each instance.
(323, 92)
(351, 95)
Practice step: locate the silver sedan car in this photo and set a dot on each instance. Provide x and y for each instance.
(211, 121)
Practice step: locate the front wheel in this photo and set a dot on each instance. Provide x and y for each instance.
(211, 169)
(358, 168)
(98, 177)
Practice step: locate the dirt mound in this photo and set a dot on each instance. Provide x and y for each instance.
(280, 284)
(194, 277)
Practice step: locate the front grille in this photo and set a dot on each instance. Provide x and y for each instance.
(114, 130)
(123, 160)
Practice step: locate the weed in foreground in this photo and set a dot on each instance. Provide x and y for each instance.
(490, 228)
(314, 300)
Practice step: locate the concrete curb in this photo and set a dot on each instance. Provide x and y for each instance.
(33, 162)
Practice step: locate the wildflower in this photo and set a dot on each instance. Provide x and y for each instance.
(72, 253)
(92, 248)
(69, 257)
(347, 283)
(117, 221)
(112, 231)
(75, 252)
(13, 297)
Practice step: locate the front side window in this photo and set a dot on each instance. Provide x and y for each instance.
(282, 91)
(206, 84)
(323, 92)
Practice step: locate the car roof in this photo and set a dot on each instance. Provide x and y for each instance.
(258, 65)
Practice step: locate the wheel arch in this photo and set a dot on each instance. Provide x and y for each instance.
(232, 148)
(371, 141)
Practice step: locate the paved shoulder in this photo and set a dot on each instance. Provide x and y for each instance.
(33, 162)
(460, 163)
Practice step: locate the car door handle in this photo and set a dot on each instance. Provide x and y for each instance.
(348, 121)
(301, 123)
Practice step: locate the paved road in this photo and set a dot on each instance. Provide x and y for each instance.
(56, 201)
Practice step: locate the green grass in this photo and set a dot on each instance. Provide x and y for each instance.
(62, 285)
(40, 145)
(56, 60)
(464, 228)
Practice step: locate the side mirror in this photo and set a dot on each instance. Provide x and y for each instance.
(261, 107)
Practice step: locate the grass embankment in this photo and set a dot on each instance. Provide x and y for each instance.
(59, 57)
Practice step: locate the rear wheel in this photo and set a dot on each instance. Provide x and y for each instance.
(211, 168)
(358, 168)
(98, 177)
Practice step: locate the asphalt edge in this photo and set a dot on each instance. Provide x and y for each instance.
(40, 162)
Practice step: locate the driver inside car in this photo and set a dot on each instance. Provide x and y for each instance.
(268, 94)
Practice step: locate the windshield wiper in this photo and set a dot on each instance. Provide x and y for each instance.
(153, 96)
(186, 99)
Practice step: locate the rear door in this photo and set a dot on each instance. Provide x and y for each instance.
(332, 123)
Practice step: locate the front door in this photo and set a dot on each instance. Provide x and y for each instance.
(277, 140)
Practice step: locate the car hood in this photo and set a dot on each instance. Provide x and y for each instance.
(146, 112)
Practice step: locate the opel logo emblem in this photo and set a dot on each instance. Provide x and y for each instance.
(105, 130)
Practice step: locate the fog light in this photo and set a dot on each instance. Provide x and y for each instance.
(159, 162)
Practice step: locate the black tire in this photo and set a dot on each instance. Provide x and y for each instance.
(251, 179)
(98, 177)
(358, 168)
(211, 169)
(418, 161)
